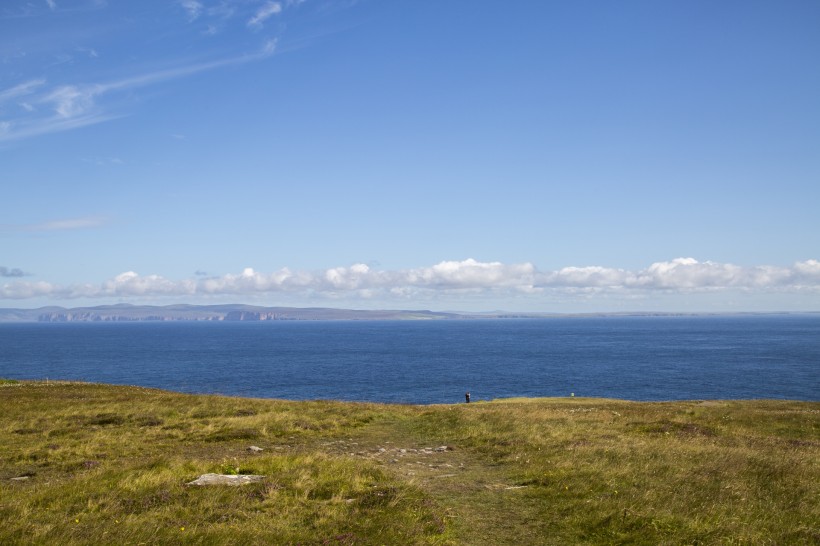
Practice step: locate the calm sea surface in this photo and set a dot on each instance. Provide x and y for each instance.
(636, 358)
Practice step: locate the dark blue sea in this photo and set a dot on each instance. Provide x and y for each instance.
(635, 358)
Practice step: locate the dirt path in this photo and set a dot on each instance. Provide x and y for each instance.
(478, 499)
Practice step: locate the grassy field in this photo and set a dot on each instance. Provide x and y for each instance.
(97, 464)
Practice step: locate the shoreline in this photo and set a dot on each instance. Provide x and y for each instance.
(14, 382)
(250, 313)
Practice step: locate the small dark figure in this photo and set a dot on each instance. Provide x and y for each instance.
(467, 397)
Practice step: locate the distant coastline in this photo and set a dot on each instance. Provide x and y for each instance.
(251, 313)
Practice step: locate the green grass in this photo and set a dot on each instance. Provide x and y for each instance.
(108, 465)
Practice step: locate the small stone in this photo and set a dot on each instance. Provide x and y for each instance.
(226, 479)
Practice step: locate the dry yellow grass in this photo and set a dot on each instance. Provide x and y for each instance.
(105, 464)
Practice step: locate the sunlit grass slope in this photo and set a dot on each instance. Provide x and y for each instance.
(83, 464)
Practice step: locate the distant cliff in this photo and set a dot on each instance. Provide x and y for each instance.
(227, 313)
(245, 313)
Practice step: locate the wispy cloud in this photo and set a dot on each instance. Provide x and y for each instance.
(71, 101)
(270, 46)
(264, 13)
(29, 9)
(67, 224)
(22, 129)
(89, 51)
(34, 107)
(103, 161)
(67, 107)
(20, 90)
(447, 279)
(193, 8)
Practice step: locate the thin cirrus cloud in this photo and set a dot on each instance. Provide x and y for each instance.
(40, 106)
(45, 109)
(448, 278)
(66, 224)
(264, 13)
(193, 8)
(21, 90)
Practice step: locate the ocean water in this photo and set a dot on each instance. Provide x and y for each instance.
(634, 358)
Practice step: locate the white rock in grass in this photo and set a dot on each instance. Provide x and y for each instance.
(226, 479)
(255, 449)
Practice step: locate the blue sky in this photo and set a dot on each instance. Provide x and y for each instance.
(534, 155)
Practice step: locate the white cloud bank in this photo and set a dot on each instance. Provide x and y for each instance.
(445, 279)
